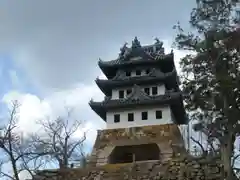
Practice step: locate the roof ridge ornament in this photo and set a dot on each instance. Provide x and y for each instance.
(123, 51)
(137, 94)
(120, 75)
(158, 42)
(159, 47)
(156, 73)
(136, 43)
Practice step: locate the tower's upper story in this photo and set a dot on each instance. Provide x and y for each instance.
(142, 81)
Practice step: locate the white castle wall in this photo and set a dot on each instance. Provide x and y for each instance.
(160, 90)
(167, 117)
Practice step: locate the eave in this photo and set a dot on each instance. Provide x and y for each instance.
(168, 79)
(174, 100)
(109, 68)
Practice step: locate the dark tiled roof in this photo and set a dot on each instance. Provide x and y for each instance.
(152, 58)
(138, 96)
(151, 53)
(121, 80)
(133, 57)
(121, 75)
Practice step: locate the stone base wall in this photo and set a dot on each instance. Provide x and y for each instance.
(176, 164)
(167, 137)
(187, 168)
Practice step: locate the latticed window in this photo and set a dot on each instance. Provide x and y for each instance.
(130, 117)
(121, 94)
(144, 115)
(138, 72)
(154, 91)
(158, 114)
(147, 71)
(147, 91)
(129, 91)
(128, 73)
(116, 118)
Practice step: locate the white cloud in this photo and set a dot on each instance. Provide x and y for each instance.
(77, 96)
(33, 108)
(53, 104)
(58, 43)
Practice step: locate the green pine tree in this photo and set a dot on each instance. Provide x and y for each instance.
(211, 73)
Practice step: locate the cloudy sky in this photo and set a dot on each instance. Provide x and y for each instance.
(49, 49)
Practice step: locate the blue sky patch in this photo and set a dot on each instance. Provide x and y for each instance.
(13, 77)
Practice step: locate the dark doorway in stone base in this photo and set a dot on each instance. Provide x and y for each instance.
(126, 154)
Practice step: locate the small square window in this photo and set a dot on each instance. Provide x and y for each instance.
(129, 91)
(147, 91)
(144, 115)
(138, 72)
(154, 90)
(121, 94)
(158, 114)
(130, 117)
(147, 71)
(128, 73)
(116, 118)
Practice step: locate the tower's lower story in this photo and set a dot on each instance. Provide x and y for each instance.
(147, 152)
(137, 144)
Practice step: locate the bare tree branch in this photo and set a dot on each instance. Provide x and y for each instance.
(16, 153)
(200, 145)
(58, 141)
(3, 174)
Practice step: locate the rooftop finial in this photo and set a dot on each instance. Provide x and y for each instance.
(158, 42)
(159, 46)
(136, 43)
(123, 50)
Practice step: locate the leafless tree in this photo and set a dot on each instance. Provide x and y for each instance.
(62, 139)
(16, 152)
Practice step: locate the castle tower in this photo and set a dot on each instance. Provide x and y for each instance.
(142, 108)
